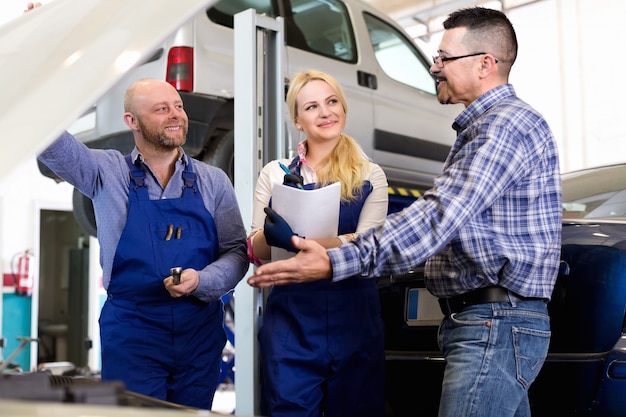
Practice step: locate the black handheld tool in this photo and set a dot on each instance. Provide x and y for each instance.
(176, 271)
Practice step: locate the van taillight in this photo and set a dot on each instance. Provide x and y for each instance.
(180, 68)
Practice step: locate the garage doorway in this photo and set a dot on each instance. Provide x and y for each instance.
(62, 317)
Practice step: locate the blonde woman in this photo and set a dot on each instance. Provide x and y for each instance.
(322, 344)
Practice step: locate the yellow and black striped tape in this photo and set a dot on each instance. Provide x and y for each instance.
(404, 192)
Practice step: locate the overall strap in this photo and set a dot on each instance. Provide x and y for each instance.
(137, 178)
(294, 166)
(189, 178)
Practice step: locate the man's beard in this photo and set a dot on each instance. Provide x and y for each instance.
(444, 100)
(442, 95)
(159, 139)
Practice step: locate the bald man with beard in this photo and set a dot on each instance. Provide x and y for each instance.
(155, 209)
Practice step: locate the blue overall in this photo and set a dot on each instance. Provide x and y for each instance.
(322, 343)
(166, 348)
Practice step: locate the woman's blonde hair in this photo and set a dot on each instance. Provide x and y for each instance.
(347, 163)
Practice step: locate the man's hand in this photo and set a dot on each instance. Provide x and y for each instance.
(277, 231)
(310, 264)
(189, 280)
(31, 6)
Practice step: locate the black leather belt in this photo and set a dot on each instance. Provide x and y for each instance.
(480, 296)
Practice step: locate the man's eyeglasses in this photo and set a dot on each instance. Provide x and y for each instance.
(439, 60)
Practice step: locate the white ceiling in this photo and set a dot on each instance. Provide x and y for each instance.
(422, 18)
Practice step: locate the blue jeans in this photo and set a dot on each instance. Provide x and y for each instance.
(493, 353)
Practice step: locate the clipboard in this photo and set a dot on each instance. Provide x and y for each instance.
(310, 213)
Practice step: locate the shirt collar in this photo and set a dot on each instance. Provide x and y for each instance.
(302, 149)
(481, 105)
(137, 156)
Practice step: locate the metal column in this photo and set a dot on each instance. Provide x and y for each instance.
(259, 138)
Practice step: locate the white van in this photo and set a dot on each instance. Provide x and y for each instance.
(392, 107)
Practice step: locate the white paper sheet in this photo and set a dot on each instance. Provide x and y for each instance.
(310, 213)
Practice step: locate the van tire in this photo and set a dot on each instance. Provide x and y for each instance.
(221, 154)
(83, 212)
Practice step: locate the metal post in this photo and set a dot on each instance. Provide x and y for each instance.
(259, 138)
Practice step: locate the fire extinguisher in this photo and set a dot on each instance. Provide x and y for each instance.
(24, 274)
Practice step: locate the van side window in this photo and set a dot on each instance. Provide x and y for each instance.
(319, 26)
(324, 25)
(398, 57)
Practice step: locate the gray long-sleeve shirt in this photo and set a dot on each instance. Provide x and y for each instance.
(103, 176)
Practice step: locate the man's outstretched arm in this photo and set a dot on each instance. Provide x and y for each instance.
(310, 264)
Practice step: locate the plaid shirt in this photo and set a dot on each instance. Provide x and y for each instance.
(493, 217)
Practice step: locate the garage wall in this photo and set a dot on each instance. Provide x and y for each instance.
(568, 68)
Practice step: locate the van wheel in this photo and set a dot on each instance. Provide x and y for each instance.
(221, 154)
(83, 212)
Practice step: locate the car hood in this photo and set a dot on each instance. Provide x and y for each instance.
(59, 59)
